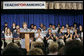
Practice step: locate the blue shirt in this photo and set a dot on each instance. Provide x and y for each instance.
(15, 35)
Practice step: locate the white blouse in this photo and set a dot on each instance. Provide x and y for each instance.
(8, 36)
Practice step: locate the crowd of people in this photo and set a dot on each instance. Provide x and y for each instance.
(60, 40)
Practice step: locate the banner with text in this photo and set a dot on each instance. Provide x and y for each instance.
(24, 5)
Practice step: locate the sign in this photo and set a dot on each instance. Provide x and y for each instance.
(24, 5)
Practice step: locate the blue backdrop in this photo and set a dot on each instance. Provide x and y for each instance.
(36, 19)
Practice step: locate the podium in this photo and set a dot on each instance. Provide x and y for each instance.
(27, 35)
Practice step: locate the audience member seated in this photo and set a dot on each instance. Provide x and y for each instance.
(39, 45)
(11, 49)
(73, 47)
(53, 49)
(35, 51)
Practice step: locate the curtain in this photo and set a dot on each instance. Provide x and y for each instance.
(36, 19)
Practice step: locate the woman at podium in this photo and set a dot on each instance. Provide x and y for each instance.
(24, 29)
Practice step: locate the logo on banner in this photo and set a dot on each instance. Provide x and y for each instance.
(24, 5)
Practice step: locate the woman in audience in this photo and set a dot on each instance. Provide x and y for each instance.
(39, 36)
(58, 27)
(53, 29)
(44, 31)
(70, 38)
(8, 36)
(35, 29)
(67, 26)
(31, 27)
(59, 33)
(13, 27)
(16, 35)
(68, 33)
(64, 30)
(75, 34)
(41, 26)
(71, 29)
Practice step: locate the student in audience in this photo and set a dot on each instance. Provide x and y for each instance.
(35, 51)
(5, 26)
(59, 33)
(41, 26)
(39, 36)
(53, 49)
(24, 28)
(31, 27)
(55, 37)
(17, 27)
(71, 29)
(75, 34)
(44, 31)
(63, 29)
(58, 27)
(73, 47)
(35, 29)
(49, 36)
(8, 36)
(50, 26)
(16, 35)
(70, 38)
(80, 31)
(54, 29)
(13, 27)
(68, 33)
(75, 26)
(67, 26)
(44, 28)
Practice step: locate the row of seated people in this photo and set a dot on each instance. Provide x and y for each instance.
(42, 34)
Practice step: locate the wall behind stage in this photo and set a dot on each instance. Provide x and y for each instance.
(36, 19)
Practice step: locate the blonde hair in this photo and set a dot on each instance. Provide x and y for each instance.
(24, 23)
(9, 32)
